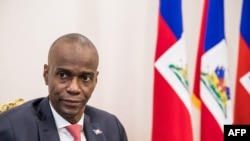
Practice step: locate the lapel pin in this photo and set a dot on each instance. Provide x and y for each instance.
(97, 131)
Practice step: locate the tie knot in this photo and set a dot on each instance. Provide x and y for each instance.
(75, 131)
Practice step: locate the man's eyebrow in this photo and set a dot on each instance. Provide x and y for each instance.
(87, 73)
(63, 69)
(60, 68)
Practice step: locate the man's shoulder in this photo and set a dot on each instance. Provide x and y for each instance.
(113, 128)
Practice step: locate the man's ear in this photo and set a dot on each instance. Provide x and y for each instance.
(96, 78)
(45, 73)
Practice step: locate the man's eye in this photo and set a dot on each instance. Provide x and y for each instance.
(86, 78)
(62, 75)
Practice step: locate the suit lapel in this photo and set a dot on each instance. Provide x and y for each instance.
(46, 124)
(93, 131)
(46, 133)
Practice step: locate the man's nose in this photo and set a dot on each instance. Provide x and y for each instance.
(74, 87)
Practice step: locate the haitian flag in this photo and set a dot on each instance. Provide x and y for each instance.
(242, 94)
(172, 101)
(213, 78)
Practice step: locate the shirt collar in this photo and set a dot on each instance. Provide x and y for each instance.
(60, 121)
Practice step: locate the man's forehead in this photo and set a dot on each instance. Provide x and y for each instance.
(74, 59)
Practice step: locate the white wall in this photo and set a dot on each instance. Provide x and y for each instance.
(124, 32)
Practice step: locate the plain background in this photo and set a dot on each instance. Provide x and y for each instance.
(124, 32)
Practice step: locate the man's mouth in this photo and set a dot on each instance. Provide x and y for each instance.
(72, 103)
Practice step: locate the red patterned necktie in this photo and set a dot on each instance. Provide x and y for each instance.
(75, 131)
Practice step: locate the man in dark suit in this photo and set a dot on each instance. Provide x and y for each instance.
(71, 76)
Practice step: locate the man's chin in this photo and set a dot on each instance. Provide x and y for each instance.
(71, 113)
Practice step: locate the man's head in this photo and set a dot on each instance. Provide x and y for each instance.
(71, 74)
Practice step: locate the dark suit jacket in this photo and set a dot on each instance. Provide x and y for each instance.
(33, 121)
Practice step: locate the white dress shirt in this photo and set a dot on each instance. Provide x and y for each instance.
(61, 123)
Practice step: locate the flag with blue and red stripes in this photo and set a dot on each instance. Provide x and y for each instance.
(211, 84)
(242, 88)
(172, 100)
